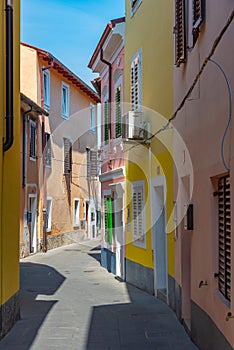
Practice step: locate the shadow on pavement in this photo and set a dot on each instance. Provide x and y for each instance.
(36, 279)
(143, 323)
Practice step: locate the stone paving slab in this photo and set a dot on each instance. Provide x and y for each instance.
(69, 302)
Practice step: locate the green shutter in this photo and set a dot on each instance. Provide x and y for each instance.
(106, 119)
(118, 112)
(108, 219)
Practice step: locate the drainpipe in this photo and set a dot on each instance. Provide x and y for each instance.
(110, 88)
(9, 139)
(25, 145)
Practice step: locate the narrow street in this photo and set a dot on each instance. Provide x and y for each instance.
(68, 301)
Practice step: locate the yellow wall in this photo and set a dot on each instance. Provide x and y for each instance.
(150, 29)
(9, 168)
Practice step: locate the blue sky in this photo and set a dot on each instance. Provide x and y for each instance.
(69, 29)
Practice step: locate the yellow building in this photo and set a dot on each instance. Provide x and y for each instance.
(148, 87)
(9, 163)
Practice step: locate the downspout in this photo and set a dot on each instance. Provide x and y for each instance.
(110, 90)
(25, 145)
(9, 139)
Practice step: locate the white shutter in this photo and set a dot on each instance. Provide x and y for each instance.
(138, 212)
(136, 82)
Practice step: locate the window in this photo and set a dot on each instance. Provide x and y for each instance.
(76, 212)
(138, 213)
(46, 88)
(33, 140)
(92, 118)
(136, 82)
(65, 101)
(106, 122)
(48, 150)
(108, 219)
(67, 156)
(134, 6)
(198, 16)
(49, 214)
(91, 163)
(179, 31)
(118, 114)
(224, 219)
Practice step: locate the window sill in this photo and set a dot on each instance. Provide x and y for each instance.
(65, 116)
(133, 11)
(221, 297)
(33, 159)
(46, 106)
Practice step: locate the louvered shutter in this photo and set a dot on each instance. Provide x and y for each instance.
(136, 83)
(118, 112)
(93, 163)
(108, 219)
(198, 14)
(138, 233)
(67, 156)
(224, 208)
(48, 150)
(106, 121)
(180, 39)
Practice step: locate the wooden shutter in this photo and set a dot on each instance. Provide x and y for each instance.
(179, 30)
(138, 233)
(106, 121)
(198, 16)
(67, 156)
(91, 163)
(118, 112)
(224, 212)
(136, 83)
(108, 219)
(48, 150)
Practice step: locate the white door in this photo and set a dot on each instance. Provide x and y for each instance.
(33, 223)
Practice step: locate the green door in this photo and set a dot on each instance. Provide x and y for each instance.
(108, 219)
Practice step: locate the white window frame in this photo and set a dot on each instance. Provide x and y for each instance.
(46, 96)
(92, 118)
(66, 112)
(49, 214)
(137, 59)
(137, 242)
(32, 123)
(76, 218)
(136, 6)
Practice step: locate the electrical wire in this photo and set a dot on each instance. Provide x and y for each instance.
(230, 113)
(189, 92)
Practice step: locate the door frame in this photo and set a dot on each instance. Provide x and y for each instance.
(33, 239)
(159, 181)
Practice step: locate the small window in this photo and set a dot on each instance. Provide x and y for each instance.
(65, 100)
(198, 16)
(76, 212)
(33, 140)
(138, 213)
(224, 220)
(179, 31)
(106, 121)
(92, 118)
(49, 214)
(48, 150)
(46, 88)
(118, 114)
(67, 156)
(134, 6)
(136, 81)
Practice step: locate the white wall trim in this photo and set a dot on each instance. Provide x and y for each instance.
(113, 174)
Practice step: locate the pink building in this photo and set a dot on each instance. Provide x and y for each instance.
(108, 61)
(204, 246)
